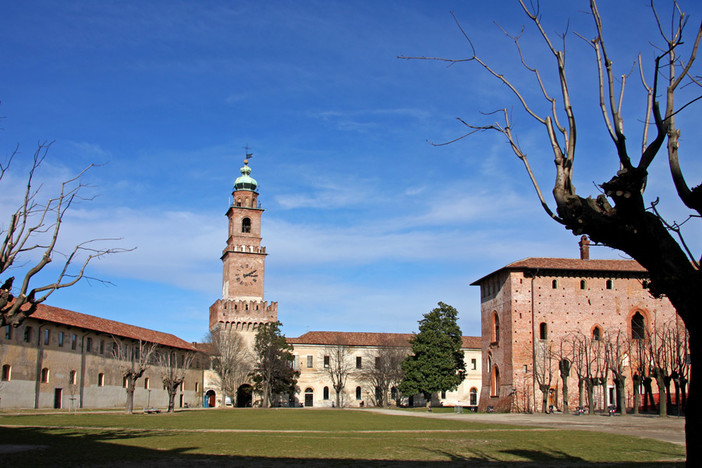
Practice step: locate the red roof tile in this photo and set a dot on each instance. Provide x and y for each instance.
(90, 322)
(571, 264)
(367, 339)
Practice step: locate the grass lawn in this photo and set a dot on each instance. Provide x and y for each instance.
(288, 437)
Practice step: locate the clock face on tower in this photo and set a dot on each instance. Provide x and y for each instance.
(246, 274)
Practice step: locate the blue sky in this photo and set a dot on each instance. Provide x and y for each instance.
(367, 225)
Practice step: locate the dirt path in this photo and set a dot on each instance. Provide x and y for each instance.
(670, 429)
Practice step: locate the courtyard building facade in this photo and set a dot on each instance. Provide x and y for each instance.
(546, 318)
(58, 358)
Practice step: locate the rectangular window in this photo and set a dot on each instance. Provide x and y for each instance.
(197, 387)
(359, 362)
(8, 332)
(60, 340)
(47, 337)
(72, 378)
(473, 364)
(88, 345)
(28, 334)
(45, 375)
(146, 383)
(74, 341)
(309, 362)
(326, 362)
(102, 346)
(101, 380)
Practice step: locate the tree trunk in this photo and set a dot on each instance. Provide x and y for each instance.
(590, 384)
(620, 385)
(693, 413)
(683, 395)
(129, 406)
(338, 397)
(565, 395)
(668, 398)
(581, 393)
(648, 394)
(544, 398)
(662, 394)
(171, 399)
(637, 394)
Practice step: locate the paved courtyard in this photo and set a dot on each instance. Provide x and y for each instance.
(670, 429)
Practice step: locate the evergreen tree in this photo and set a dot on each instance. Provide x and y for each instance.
(273, 374)
(436, 363)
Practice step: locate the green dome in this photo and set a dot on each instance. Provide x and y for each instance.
(245, 182)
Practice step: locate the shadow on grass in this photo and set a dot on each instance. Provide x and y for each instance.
(120, 448)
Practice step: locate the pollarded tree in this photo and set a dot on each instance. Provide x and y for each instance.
(436, 363)
(338, 366)
(173, 367)
(273, 373)
(619, 216)
(133, 358)
(231, 359)
(385, 370)
(29, 241)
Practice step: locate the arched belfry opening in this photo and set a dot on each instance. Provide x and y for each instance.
(246, 225)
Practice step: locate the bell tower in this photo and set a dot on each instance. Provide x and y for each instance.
(242, 306)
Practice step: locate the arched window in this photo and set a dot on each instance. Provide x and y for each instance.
(609, 284)
(543, 332)
(583, 284)
(495, 382)
(45, 375)
(596, 333)
(326, 393)
(473, 397)
(72, 378)
(358, 393)
(6, 373)
(246, 225)
(495, 328)
(146, 383)
(638, 326)
(554, 284)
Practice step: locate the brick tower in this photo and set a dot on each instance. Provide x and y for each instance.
(242, 307)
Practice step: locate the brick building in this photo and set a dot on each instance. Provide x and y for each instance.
(532, 306)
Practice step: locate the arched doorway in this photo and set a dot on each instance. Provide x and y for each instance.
(210, 399)
(244, 396)
(309, 397)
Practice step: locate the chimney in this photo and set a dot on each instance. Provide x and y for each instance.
(584, 248)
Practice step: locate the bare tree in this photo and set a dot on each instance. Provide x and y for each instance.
(564, 358)
(338, 368)
(386, 371)
(29, 243)
(616, 357)
(133, 358)
(619, 217)
(173, 367)
(543, 370)
(232, 359)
